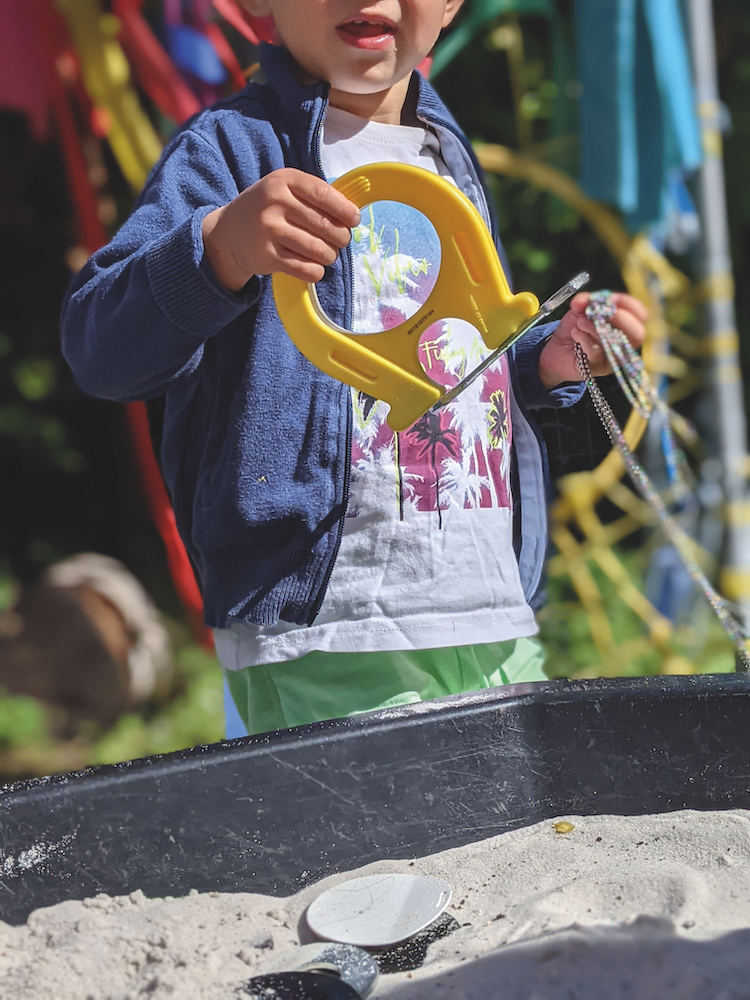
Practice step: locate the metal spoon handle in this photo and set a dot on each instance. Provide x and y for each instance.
(545, 309)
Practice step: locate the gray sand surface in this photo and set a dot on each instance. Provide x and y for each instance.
(618, 907)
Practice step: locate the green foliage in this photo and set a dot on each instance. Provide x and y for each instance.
(546, 240)
(8, 590)
(194, 716)
(35, 377)
(565, 631)
(22, 721)
(190, 715)
(44, 434)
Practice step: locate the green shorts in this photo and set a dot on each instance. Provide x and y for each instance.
(334, 685)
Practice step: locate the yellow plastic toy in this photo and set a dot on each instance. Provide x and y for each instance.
(471, 286)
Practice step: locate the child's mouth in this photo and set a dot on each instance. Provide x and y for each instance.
(367, 34)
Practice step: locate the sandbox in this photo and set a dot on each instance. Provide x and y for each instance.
(274, 814)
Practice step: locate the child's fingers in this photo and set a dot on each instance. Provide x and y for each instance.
(326, 199)
(622, 320)
(590, 343)
(586, 325)
(630, 325)
(302, 216)
(292, 264)
(622, 300)
(631, 304)
(579, 302)
(307, 247)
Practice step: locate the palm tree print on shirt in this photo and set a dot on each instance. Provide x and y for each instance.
(459, 457)
(433, 438)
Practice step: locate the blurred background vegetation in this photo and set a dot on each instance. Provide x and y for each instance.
(69, 483)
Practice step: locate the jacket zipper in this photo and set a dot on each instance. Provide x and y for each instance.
(347, 266)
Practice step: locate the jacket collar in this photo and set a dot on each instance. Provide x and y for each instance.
(430, 106)
(281, 70)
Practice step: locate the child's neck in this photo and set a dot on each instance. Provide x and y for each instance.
(386, 106)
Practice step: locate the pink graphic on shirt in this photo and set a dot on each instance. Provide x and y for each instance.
(459, 457)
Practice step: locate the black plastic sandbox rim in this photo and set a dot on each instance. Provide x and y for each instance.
(559, 692)
(274, 812)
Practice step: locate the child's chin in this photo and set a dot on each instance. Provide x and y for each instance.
(372, 80)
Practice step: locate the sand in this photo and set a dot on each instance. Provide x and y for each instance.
(638, 908)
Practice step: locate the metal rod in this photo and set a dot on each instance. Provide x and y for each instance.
(546, 309)
(717, 288)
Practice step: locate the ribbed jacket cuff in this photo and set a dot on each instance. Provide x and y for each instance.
(526, 359)
(184, 286)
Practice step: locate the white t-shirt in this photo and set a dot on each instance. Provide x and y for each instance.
(426, 557)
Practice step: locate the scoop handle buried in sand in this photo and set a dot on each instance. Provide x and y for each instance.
(297, 986)
(471, 286)
(353, 966)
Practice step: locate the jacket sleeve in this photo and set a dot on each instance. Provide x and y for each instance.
(525, 353)
(138, 313)
(526, 361)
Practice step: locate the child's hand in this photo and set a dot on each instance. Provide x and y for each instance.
(288, 221)
(557, 362)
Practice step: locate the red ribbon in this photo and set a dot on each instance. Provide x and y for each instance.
(67, 91)
(152, 66)
(225, 52)
(163, 517)
(255, 29)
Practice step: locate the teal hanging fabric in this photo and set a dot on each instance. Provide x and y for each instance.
(637, 111)
(605, 42)
(674, 78)
(668, 131)
(653, 130)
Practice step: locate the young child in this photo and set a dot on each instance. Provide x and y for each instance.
(343, 568)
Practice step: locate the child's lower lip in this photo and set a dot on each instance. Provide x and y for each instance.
(368, 36)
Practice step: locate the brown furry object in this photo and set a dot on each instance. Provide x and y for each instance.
(87, 639)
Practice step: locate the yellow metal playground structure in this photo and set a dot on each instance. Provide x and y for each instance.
(581, 538)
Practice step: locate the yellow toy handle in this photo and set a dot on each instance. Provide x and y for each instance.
(471, 286)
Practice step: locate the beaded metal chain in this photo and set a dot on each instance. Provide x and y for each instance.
(640, 391)
(633, 377)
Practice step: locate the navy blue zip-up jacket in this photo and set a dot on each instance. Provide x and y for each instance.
(256, 441)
